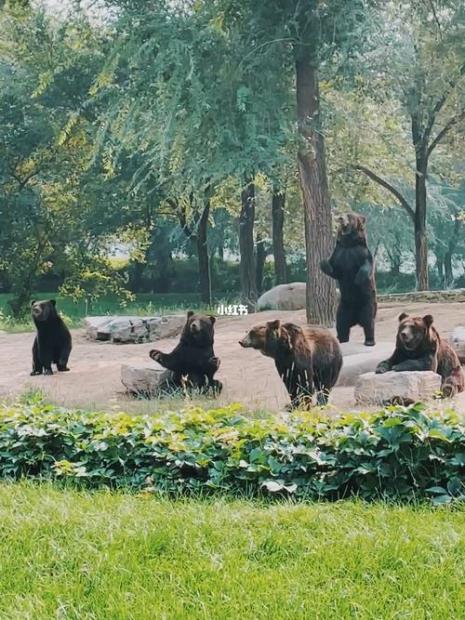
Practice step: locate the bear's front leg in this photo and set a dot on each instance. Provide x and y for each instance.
(383, 367)
(167, 360)
(327, 268)
(36, 363)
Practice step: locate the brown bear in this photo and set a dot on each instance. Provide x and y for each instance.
(193, 361)
(419, 347)
(307, 359)
(351, 264)
(52, 343)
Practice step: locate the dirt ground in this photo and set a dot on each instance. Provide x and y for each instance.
(248, 377)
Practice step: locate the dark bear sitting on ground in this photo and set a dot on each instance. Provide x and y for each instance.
(419, 347)
(193, 360)
(351, 264)
(52, 343)
(307, 359)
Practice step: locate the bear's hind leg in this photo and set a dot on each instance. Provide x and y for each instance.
(343, 323)
(36, 363)
(367, 321)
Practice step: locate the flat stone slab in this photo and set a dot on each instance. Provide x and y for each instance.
(372, 389)
(284, 297)
(133, 329)
(457, 340)
(359, 359)
(145, 380)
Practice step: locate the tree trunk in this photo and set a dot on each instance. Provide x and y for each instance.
(260, 263)
(246, 247)
(440, 268)
(321, 290)
(448, 272)
(279, 254)
(203, 257)
(421, 241)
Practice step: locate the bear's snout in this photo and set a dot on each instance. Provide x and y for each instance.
(245, 342)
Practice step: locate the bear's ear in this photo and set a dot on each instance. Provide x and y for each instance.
(33, 302)
(274, 324)
(428, 320)
(362, 219)
(53, 302)
(212, 318)
(190, 313)
(402, 316)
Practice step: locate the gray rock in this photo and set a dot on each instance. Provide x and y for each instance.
(144, 379)
(133, 329)
(457, 340)
(372, 389)
(359, 359)
(283, 297)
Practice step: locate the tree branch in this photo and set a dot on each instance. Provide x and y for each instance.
(390, 188)
(450, 123)
(442, 100)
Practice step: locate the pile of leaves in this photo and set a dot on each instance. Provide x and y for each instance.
(396, 454)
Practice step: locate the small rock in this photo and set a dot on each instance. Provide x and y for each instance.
(359, 359)
(411, 386)
(144, 380)
(457, 340)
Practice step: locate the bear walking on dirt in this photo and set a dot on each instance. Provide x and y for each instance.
(307, 359)
(193, 360)
(52, 343)
(419, 347)
(351, 264)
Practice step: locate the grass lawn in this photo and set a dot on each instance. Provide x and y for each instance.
(65, 554)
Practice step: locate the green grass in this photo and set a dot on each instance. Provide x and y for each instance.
(74, 312)
(65, 554)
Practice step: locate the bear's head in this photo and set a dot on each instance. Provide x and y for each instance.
(416, 332)
(269, 338)
(351, 228)
(198, 330)
(43, 311)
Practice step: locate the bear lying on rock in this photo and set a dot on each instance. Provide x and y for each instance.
(351, 264)
(419, 347)
(307, 359)
(52, 343)
(193, 360)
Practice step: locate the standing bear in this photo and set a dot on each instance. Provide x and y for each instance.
(193, 360)
(53, 339)
(351, 264)
(307, 359)
(419, 347)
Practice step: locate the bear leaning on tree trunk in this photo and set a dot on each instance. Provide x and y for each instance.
(351, 264)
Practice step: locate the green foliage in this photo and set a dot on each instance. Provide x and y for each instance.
(396, 454)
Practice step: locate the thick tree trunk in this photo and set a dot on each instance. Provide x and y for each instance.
(321, 290)
(260, 263)
(440, 268)
(203, 257)
(246, 247)
(279, 254)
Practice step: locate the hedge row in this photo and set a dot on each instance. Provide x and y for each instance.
(399, 453)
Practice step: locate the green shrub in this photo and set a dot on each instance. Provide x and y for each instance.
(399, 453)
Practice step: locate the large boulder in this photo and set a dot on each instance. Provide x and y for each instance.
(283, 297)
(457, 340)
(359, 359)
(144, 379)
(133, 329)
(411, 386)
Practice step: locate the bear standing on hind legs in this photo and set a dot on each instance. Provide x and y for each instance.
(52, 343)
(351, 264)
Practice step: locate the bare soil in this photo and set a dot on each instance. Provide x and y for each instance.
(248, 377)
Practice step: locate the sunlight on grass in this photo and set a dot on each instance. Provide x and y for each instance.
(77, 555)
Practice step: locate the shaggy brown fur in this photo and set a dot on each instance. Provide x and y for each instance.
(307, 359)
(419, 347)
